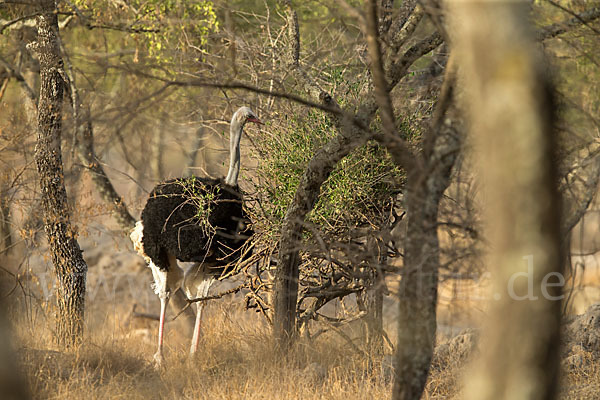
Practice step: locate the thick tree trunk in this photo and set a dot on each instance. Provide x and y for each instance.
(512, 125)
(68, 262)
(417, 322)
(418, 292)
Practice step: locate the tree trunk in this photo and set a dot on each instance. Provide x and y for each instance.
(5, 220)
(157, 151)
(372, 298)
(418, 292)
(417, 322)
(66, 255)
(512, 118)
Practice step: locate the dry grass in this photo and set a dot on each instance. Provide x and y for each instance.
(236, 361)
(581, 377)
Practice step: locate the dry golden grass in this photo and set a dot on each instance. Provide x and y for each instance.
(236, 361)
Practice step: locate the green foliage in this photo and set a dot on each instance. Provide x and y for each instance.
(203, 198)
(357, 192)
(168, 28)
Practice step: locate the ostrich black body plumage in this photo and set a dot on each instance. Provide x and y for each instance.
(196, 220)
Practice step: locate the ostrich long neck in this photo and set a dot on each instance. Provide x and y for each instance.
(234, 152)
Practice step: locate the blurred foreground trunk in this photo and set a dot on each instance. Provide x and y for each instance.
(12, 386)
(511, 115)
(66, 255)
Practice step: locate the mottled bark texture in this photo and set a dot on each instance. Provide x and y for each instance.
(511, 115)
(372, 297)
(418, 288)
(66, 255)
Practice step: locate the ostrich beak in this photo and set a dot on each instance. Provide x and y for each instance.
(255, 120)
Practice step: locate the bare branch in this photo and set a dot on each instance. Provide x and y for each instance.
(398, 69)
(18, 22)
(17, 75)
(398, 147)
(578, 19)
(207, 298)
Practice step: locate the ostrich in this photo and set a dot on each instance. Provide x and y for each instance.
(199, 220)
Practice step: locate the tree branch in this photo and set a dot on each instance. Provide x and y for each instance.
(390, 139)
(559, 28)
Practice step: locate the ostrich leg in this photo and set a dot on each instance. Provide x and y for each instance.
(203, 288)
(158, 357)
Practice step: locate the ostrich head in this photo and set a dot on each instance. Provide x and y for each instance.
(245, 114)
(239, 119)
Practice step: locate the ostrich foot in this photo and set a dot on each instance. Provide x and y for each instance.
(159, 360)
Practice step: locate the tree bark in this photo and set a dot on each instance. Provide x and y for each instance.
(428, 176)
(417, 322)
(70, 268)
(373, 297)
(6, 241)
(512, 117)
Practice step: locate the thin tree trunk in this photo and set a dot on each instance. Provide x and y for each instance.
(107, 191)
(428, 176)
(372, 298)
(199, 139)
(5, 221)
(512, 116)
(66, 255)
(157, 150)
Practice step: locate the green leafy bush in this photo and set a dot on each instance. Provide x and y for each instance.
(357, 193)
